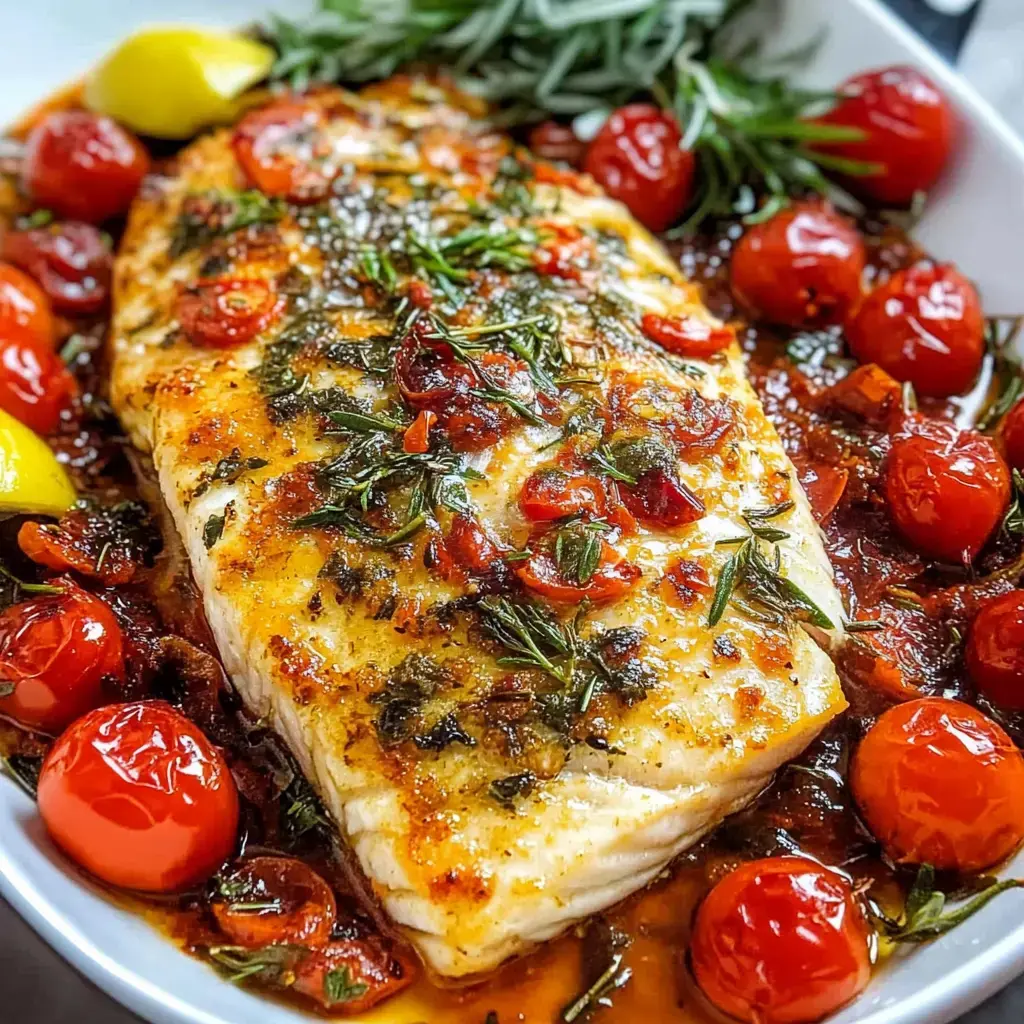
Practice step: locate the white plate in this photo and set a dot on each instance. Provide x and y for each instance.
(976, 218)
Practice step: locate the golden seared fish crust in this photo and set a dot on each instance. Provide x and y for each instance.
(511, 701)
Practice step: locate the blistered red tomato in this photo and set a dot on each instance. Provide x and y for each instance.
(471, 548)
(1011, 434)
(612, 577)
(550, 494)
(688, 336)
(70, 260)
(939, 783)
(275, 900)
(23, 305)
(83, 166)
(995, 650)
(35, 385)
(137, 795)
(221, 313)
(909, 129)
(427, 371)
(659, 498)
(636, 157)
(801, 268)
(925, 326)
(947, 489)
(367, 970)
(57, 652)
(781, 941)
(283, 151)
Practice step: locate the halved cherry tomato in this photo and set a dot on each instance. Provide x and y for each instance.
(870, 394)
(636, 157)
(58, 652)
(283, 151)
(275, 900)
(70, 260)
(801, 268)
(781, 941)
(24, 305)
(553, 141)
(137, 795)
(83, 166)
(79, 543)
(35, 385)
(947, 489)
(221, 313)
(688, 336)
(353, 975)
(995, 650)
(1011, 434)
(471, 548)
(612, 578)
(925, 326)
(416, 438)
(659, 498)
(909, 129)
(553, 494)
(427, 371)
(940, 783)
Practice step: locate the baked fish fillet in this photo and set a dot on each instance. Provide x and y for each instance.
(492, 793)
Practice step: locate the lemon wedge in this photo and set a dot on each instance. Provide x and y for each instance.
(171, 82)
(31, 478)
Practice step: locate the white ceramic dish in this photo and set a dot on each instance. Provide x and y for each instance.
(976, 219)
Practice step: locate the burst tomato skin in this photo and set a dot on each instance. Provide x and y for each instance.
(83, 166)
(58, 650)
(23, 305)
(636, 158)
(550, 494)
(138, 796)
(428, 373)
(220, 313)
(1011, 436)
(35, 385)
(910, 129)
(947, 489)
(781, 941)
(939, 783)
(659, 499)
(995, 650)
(70, 261)
(687, 336)
(301, 907)
(925, 326)
(612, 578)
(800, 268)
(366, 963)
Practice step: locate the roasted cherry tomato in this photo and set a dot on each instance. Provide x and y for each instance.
(83, 166)
(869, 394)
(801, 268)
(688, 336)
(416, 439)
(428, 373)
(553, 141)
(947, 489)
(939, 783)
(81, 543)
(57, 652)
(925, 326)
(353, 975)
(70, 260)
(35, 385)
(283, 151)
(23, 305)
(781, 941)
(1011, 435)
(612, 577)
(995, 650)
(470, 547)
(275, 900)
(553, 494)
(221, 313)
(137, 795)
(637, 159)
(909, 130)
(659, 498)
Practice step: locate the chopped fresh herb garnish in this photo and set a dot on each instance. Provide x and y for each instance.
(341, 987)
(506, 790)
(269, 965)
(13, 589)
(535, 638)
(207, 215)
(757, 519)
(213, 530)
(443, 733)
(577, 550)
(408, 688)
(228, 470)
(630, 458)
(378, 269)
(357, 422)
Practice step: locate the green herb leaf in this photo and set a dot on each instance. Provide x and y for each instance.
(1013, 521)
(269, 965)
(532, 635)
(340, 987)
(724, 588)
(506, 790)
(213, 530)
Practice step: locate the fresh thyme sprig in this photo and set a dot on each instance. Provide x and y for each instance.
(533, 636)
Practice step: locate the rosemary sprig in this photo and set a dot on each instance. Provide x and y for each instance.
(533, 636)
(613, 977)
(577, 550)
(12, 588)
(1013, 521)
(1001, 334)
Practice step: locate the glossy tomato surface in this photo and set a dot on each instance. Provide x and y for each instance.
(636, 158)
(550, 494)
(800, 268)
(1011, 435)
(57, 652)
(687, 336)
(995, 650)
(939, 783)
(780, 941)
(24, 306)
(35, 385)
(221, 313)
(70, 260)
(909, 128)
(660, 499)
(83, 166)
(272, 900)
(352, 975)
(138, 796)
(612, 577)
(925, 326)
(947, 489)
